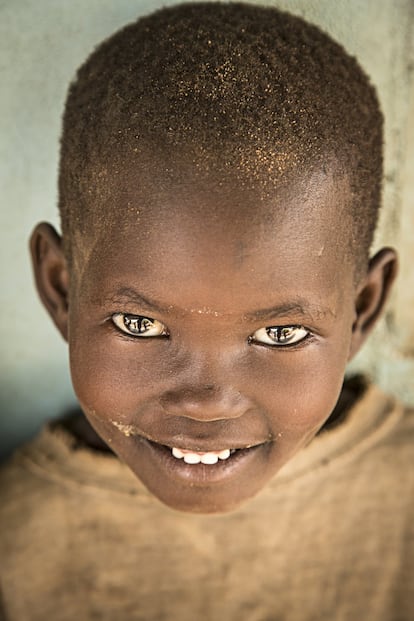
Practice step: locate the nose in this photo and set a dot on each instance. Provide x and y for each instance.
(209, 378)
(205, 403)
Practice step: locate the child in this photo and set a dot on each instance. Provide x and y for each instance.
(219, 187)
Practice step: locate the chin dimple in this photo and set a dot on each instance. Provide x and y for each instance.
(198, 457)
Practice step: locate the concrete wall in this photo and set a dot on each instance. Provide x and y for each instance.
(41, 44)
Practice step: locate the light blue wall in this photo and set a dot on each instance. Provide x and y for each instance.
(41, 44)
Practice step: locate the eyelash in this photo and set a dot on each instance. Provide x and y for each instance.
(147, 328)
(280, 332)
(127, 323)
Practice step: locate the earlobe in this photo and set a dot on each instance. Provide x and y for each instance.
(51, 274)
(372, 295)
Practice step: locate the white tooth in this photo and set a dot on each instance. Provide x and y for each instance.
(192, 458)
(209, 458)
(177, 453)
(224, 454)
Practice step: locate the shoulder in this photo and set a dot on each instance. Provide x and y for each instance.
(389, 434)
(398, 443)
(20, 488)
(51, 470)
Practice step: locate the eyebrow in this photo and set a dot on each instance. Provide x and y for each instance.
(127, 294)
(296, 308)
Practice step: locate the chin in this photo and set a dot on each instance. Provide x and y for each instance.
(203, 506)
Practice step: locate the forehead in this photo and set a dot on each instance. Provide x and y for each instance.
(218, 235)
(159, 193)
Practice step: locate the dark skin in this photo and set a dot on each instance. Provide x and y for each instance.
(80, 428)
(212, 320)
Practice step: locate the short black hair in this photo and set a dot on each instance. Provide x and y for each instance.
(245, 89)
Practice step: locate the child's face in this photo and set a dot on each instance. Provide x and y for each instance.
(208, 321)
(249, 309)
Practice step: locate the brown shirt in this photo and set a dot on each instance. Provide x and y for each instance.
(331, 538)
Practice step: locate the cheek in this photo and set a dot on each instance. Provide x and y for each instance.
(300, 389)
(111, 376)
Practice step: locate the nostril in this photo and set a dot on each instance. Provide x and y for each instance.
(207, 403)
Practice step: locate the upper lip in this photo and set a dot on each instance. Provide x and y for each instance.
(202, 445)
(191, 446)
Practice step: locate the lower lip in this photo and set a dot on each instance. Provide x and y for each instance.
(201, 474)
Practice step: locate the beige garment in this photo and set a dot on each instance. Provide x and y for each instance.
(331, 538)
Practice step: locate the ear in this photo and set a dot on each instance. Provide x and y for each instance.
(372, 294)
(51, 274)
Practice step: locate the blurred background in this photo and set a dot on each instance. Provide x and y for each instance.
(42, 42)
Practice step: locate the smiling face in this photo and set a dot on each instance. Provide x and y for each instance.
(209, 330)
(216, 325)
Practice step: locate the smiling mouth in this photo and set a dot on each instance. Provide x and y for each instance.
(188, 456)
(199, 467)
(196, 461)
(202, 468)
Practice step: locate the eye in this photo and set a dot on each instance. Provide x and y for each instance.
(280, 336)
(138, 325)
